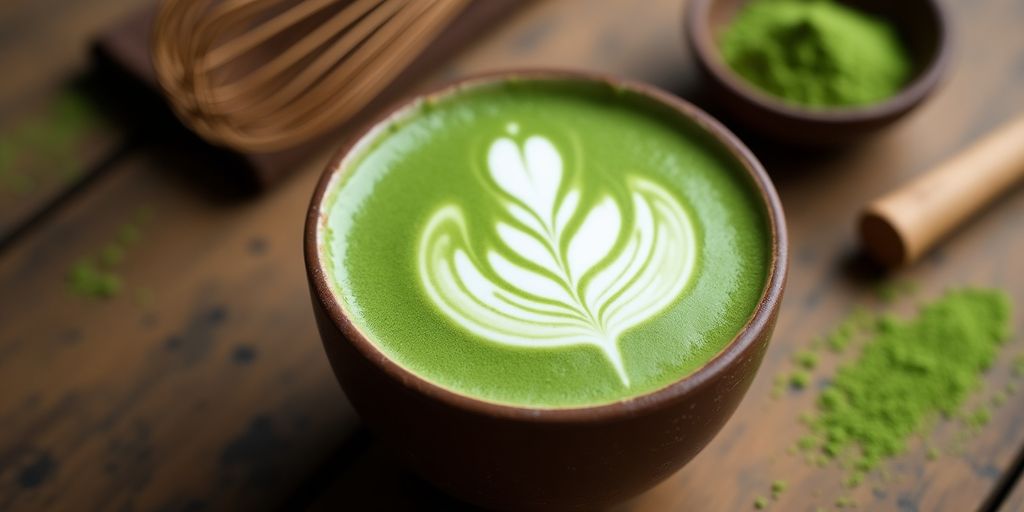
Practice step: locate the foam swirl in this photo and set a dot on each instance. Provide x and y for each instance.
(559, 272)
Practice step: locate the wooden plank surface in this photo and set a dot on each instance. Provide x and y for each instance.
(202, 382)
(202, 385)
(54, 131)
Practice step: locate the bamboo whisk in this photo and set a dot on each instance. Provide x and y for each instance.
(265, 75)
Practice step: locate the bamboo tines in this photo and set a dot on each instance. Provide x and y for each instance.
(265, 75)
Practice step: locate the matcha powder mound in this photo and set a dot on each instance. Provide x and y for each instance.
(816, 53)
(912, 370)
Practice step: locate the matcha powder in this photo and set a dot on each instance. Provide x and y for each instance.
(910, 371)
(816, 53)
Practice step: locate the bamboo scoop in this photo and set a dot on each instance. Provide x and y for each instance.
(266, 75)
(903, 225)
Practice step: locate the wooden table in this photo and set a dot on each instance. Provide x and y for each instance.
(203, 385)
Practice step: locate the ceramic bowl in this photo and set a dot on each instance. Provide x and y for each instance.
(515, 458)
(921, 25)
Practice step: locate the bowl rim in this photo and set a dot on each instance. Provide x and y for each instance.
(698, 31)
(732, 353)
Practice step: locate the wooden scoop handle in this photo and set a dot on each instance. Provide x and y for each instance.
(901, 226)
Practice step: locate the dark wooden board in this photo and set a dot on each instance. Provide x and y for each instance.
(45, 55)
(212, 390)
(203, 385)
(1015, 501)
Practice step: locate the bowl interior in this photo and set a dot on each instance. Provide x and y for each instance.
(660, 103)
(918, 23)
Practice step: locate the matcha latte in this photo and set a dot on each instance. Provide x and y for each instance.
(544, 244)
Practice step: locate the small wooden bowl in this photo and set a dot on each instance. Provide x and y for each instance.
(509, 457)
(920, 23)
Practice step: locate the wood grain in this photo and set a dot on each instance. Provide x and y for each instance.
(215, 394)
(216, 391)
(45, 43)
(45, 55)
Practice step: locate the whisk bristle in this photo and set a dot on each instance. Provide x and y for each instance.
(265, 75)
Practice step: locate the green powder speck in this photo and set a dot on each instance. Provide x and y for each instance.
(840, 338)
(858, 324)
(999, 398)
(112, 255)
(845, 501)
(807, 443)
(816, 53)
(779, 386)
(98, 276)
(128, 234)
(890, 290)
(44, 147)
(934, 453)
(979, 418)
(799, 379)
(806, 417)
(778, 487)
(807, 359)
(86, 279)
(911, 370)
(760, 503)
(854, 480)
(1018, 366)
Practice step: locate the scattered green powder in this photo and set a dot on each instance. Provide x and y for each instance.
(799, 379)
(111, 255)
(45, 146)
(779, 386)
(999, 399)
(97, 276)
(89, 280)
(806, 417)
(128, 234)
(816, 53)
(890, 289)
(760, 503)
(911, 370)
(845, 501)
(934, 453)
(859, 323)
(854, 480)
(840, 338)
(806, 359)
(807, 443)
(979, 418)
(778, 487)
(1018, 366)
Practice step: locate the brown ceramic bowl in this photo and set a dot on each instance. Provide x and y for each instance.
(921, 24)
(508, 457)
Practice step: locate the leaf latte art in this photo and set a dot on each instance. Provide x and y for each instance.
(562, 270)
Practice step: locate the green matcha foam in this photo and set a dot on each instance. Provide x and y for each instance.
(545, 244)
